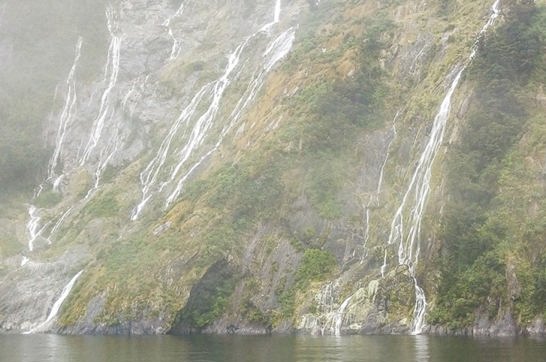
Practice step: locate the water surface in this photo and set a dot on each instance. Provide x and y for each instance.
(45, 348)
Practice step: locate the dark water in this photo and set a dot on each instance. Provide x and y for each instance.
(42, 348)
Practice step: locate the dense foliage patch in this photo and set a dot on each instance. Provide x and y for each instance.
(487, 263)
(209, 297)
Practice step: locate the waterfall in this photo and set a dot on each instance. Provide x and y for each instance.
(34, 229)
(24, 261)
(111, 71)
(150, 175)
(104, 158)
(277, 50)
(276, 17)
(340, 314)
(57, 305)
(277, 12)
(65, 119)
(175, 50)
(335, 319)
(60, 221)
(415, 197)
(374, 198)
(156, 177)
(387, 155)
(205, 122)
(419, 188)
(32, 226)
(334, 316)
(211, 92)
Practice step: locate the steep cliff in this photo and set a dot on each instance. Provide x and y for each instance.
(268, 166)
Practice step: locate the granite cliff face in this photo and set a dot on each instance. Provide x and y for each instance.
(273, 166)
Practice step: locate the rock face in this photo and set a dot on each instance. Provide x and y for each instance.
(273, 166)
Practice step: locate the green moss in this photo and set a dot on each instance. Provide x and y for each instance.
(48, 199)
(245, 192)
(9, 246)
(316, 265)
(287, 302)
(104, 205)
(332, 114)
(483, 285)
(208, 298)
(397, 294)
(253, 314)
(109, 174)
(314, 156)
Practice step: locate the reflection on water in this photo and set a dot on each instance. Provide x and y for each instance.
(421, 348)
(52, 348)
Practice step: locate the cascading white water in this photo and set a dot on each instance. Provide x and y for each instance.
(33, 225)
(276, 17)
(155, 178)
(24, 261)
(277, 13)
(60, 222)
(34, 229)
(175, 50)
(104, 158)
(387, 155)
(277, 50)
(419, 187)
(65, 119)
(333, 315)
(340, 314)
(57, 305)
(205, 122)
(111, 72)
(335, 319)
(212, 92)
(413, 203)
(149, 177)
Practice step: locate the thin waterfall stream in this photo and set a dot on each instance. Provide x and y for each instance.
(57, 305)
(111, 72)
(159, 175)
(175, 50)
(413, 203)
(55, 174)
(65, 120)
(166, 103)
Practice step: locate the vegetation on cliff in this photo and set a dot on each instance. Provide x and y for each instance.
(297, 201)
(494, 256)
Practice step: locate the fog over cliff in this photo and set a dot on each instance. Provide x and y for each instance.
(273, 166)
